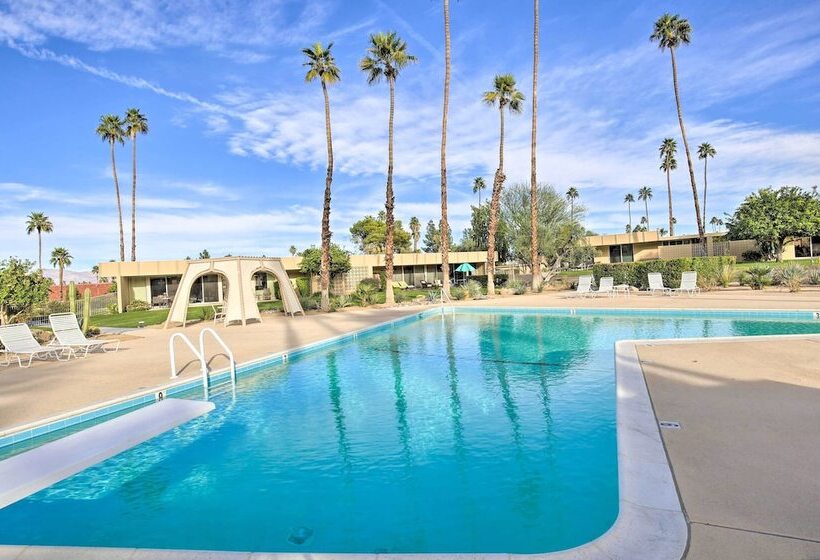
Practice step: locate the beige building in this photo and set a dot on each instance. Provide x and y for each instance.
(156, 282)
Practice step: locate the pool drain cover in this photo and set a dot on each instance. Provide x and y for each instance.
(300, 534)
(669, 425)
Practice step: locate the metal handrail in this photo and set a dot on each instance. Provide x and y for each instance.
(200, 354)
(171, 350)
(224, 347)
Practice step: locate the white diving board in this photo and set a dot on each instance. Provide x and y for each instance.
(31, 471)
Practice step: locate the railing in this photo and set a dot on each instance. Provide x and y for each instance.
(224, 346)
(200, 355)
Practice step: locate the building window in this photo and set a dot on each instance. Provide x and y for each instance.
(205, 289)
(163, 290)
(620, 253)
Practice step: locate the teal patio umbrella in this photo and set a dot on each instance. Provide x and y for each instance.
(465, 268)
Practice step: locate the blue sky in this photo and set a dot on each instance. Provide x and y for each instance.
(235, 158)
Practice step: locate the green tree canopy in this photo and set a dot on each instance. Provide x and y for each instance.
(475, 237)
(312, 260)
(432, 237)
(774, 216)
(20, 288)
(369, 234)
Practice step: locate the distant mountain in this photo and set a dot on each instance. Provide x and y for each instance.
(69, 275)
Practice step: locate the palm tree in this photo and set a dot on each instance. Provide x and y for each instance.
(720, 224)
(572, 194)
(645, 194)
(671, 32)
(386, 57)
(135, 123)
(536, 263)
(629, 199)
(39, 222)
(95, 270)
(478, 186)
(504, 94)
(293, 250)
(705, 151)
(444, 225)
(61, 258)
(662, 232)
(110, 129)
(714, 222)
(667, 152)
(415, 232)
(322, 66)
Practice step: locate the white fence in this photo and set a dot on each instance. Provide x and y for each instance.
(99, 306)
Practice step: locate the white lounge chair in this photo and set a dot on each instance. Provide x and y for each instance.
(19, 343)
(688, 284)
(605, 286)
(584, 287)
(67, 333)
(656, 284)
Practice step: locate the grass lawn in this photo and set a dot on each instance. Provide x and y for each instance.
(157, 316)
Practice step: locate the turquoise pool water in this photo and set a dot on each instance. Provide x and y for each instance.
(473, 432)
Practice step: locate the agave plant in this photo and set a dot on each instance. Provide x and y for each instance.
(791, 276)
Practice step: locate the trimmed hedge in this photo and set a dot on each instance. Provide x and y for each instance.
(636, 273)
(500, 280)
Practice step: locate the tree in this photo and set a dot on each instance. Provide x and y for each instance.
(135, 123)
(415, 232)
(645, 194)
(662, 232)
(39, 222)
(478, 186)
(534, 260)
(293, 250)
(370, 235)
(110, 129)
(774, 216)
(61, 258)
(572, 194)
(21, 288)
(312, 261)
(386, 57)
(322, 66)
(444, 223)
(671, 32)
(204, 254)
(705, 151)
(432, 237)
(504, 94)
(667, 153)
(629, 199)
(474, 237)
(714, 222)
(95, 270)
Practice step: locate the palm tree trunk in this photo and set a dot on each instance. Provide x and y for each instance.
(324, 273)
(62, 295)
(445, 237)
(134, 197)
(389, 204)
(705, 160)
(669, 191)
(646, 208)
(40, 248)
(492, 226)
(629, 209)
(119, 203)
(701, 231)
(534, 257)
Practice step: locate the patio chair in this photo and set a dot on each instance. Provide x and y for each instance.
(19, 342)
(688, 284)
(67, 333)
(584, 287)
(605, 286)
(219, 313)
(656, 284)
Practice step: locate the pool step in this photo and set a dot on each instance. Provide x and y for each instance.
(31, 471)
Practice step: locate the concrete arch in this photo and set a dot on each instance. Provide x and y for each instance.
(239, 303)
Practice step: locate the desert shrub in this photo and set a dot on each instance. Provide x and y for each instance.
(400, 297)
(637, 273)
(93, 331)
(752, 255)
(791, 276)
(138, 305)
(517, 287)
(757, 277)
(458, 293)
(813, 276)
(726, 275)
(310, 303)
(373, 282)
(708, 282)
(340, 302)
(365, 294)
(500, 280)
(206, 313)
(473, 289)
(303, 286)
(113, 308)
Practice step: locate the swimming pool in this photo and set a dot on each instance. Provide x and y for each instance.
(474, 432)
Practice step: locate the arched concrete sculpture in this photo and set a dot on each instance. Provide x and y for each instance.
(240, 300)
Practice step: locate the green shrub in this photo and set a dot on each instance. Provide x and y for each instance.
(206, 313)
(372, 282)
(310, 302)
(756, 277)
(457, 293)
(340, 302)
(517, 287)
(365, 294)
(751, 256)
(791, 276)
(500, 280)
(113, 308)
(813, 276)
(473, 288)
(138, 305)
(637, 273)
(726, 275)
(303, 286)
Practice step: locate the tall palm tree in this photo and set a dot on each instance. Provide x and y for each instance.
(478, 186)
(95, 270)
(629, 199)
(322, 66)
(110, 129)
(536, 262)
(135, 123)
(386, 56)
(714, 222)
(667, 152)
(293, 250)
(415, 232)
(645, 194)
(505, 95)
(61, 258)
(39, 222)
(572, 194)
(662, 232)
(445, 236)
(705, 151)
(671, 32)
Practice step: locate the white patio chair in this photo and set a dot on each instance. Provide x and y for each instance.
(584, 287)
(67, 332)
(605, 286)
(688, 284)
(219, 313)
(656, 284)
(19, 343)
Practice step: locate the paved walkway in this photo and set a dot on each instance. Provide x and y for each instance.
(747, 456)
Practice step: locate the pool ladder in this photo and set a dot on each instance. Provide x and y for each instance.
(200, 354)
